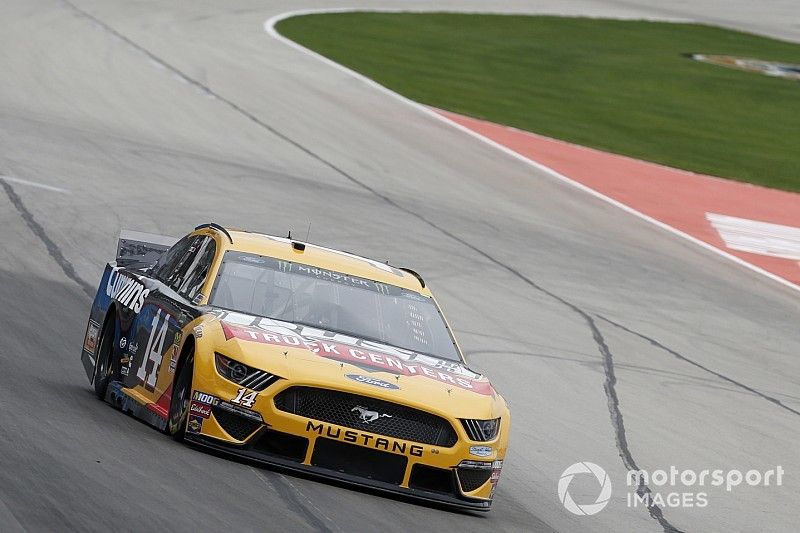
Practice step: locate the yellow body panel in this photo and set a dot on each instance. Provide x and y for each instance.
(299, 366)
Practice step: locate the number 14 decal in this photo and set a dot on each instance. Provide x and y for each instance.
(245, 398)
(154, 351)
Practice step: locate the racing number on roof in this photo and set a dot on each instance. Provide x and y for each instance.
(154, 351)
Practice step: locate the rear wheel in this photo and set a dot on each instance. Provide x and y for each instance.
(179, 404)
(105, 365)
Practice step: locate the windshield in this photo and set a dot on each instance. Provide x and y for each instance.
(303, 294)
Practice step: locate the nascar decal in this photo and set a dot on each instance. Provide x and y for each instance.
(357, 352)
(175, 351)
(128, 291)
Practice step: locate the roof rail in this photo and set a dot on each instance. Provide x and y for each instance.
(217, 227)
(415, 274)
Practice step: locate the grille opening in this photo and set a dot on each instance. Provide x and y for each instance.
(282, 444)
(235, 425)
(429, 478)
(397, 421)
(473, 478)
(359, 461)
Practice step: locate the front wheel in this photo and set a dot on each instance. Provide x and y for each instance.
(179, 404)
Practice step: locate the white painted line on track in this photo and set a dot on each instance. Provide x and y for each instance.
(34, 184)
(269, 27)
(756, 237)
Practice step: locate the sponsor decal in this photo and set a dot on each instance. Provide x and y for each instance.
(251, 259)
(363, 439)
(133, 347)
(372, 381)
(200, 409)
(205, 398)
(480, 451)
(198, 332)
(358, 352)
(92, 332)
(128, 291)
(123, 342)
(366, 416)
(175, 352)
(768, 68)
(126, 363)
(173, 360)
(195, 424)
(497, 467)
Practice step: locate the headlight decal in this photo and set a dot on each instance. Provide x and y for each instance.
(241, 374)
(481, 430)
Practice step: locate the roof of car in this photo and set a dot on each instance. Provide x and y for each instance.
(318, 256)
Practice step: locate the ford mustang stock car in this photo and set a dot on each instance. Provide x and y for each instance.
(294, 355)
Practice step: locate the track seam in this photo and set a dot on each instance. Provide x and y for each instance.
(289, 493)
(52, 248)
(209, 92)
(685, 359)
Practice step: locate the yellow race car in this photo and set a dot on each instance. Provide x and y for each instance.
(299, 356)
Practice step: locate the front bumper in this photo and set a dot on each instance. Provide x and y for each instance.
(249, 451)
(258, 430)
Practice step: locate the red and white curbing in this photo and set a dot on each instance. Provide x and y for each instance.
(753, 225)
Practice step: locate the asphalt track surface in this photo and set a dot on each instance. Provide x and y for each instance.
(613, 341)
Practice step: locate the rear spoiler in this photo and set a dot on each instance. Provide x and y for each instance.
(144, 249)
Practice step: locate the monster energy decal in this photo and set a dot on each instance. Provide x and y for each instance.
(319, 273)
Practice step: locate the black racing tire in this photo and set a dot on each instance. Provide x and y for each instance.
(105, 365)
(179, 404)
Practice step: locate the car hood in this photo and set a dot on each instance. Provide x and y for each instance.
(316, 357)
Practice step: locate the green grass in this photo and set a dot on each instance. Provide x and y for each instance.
(621, 86)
